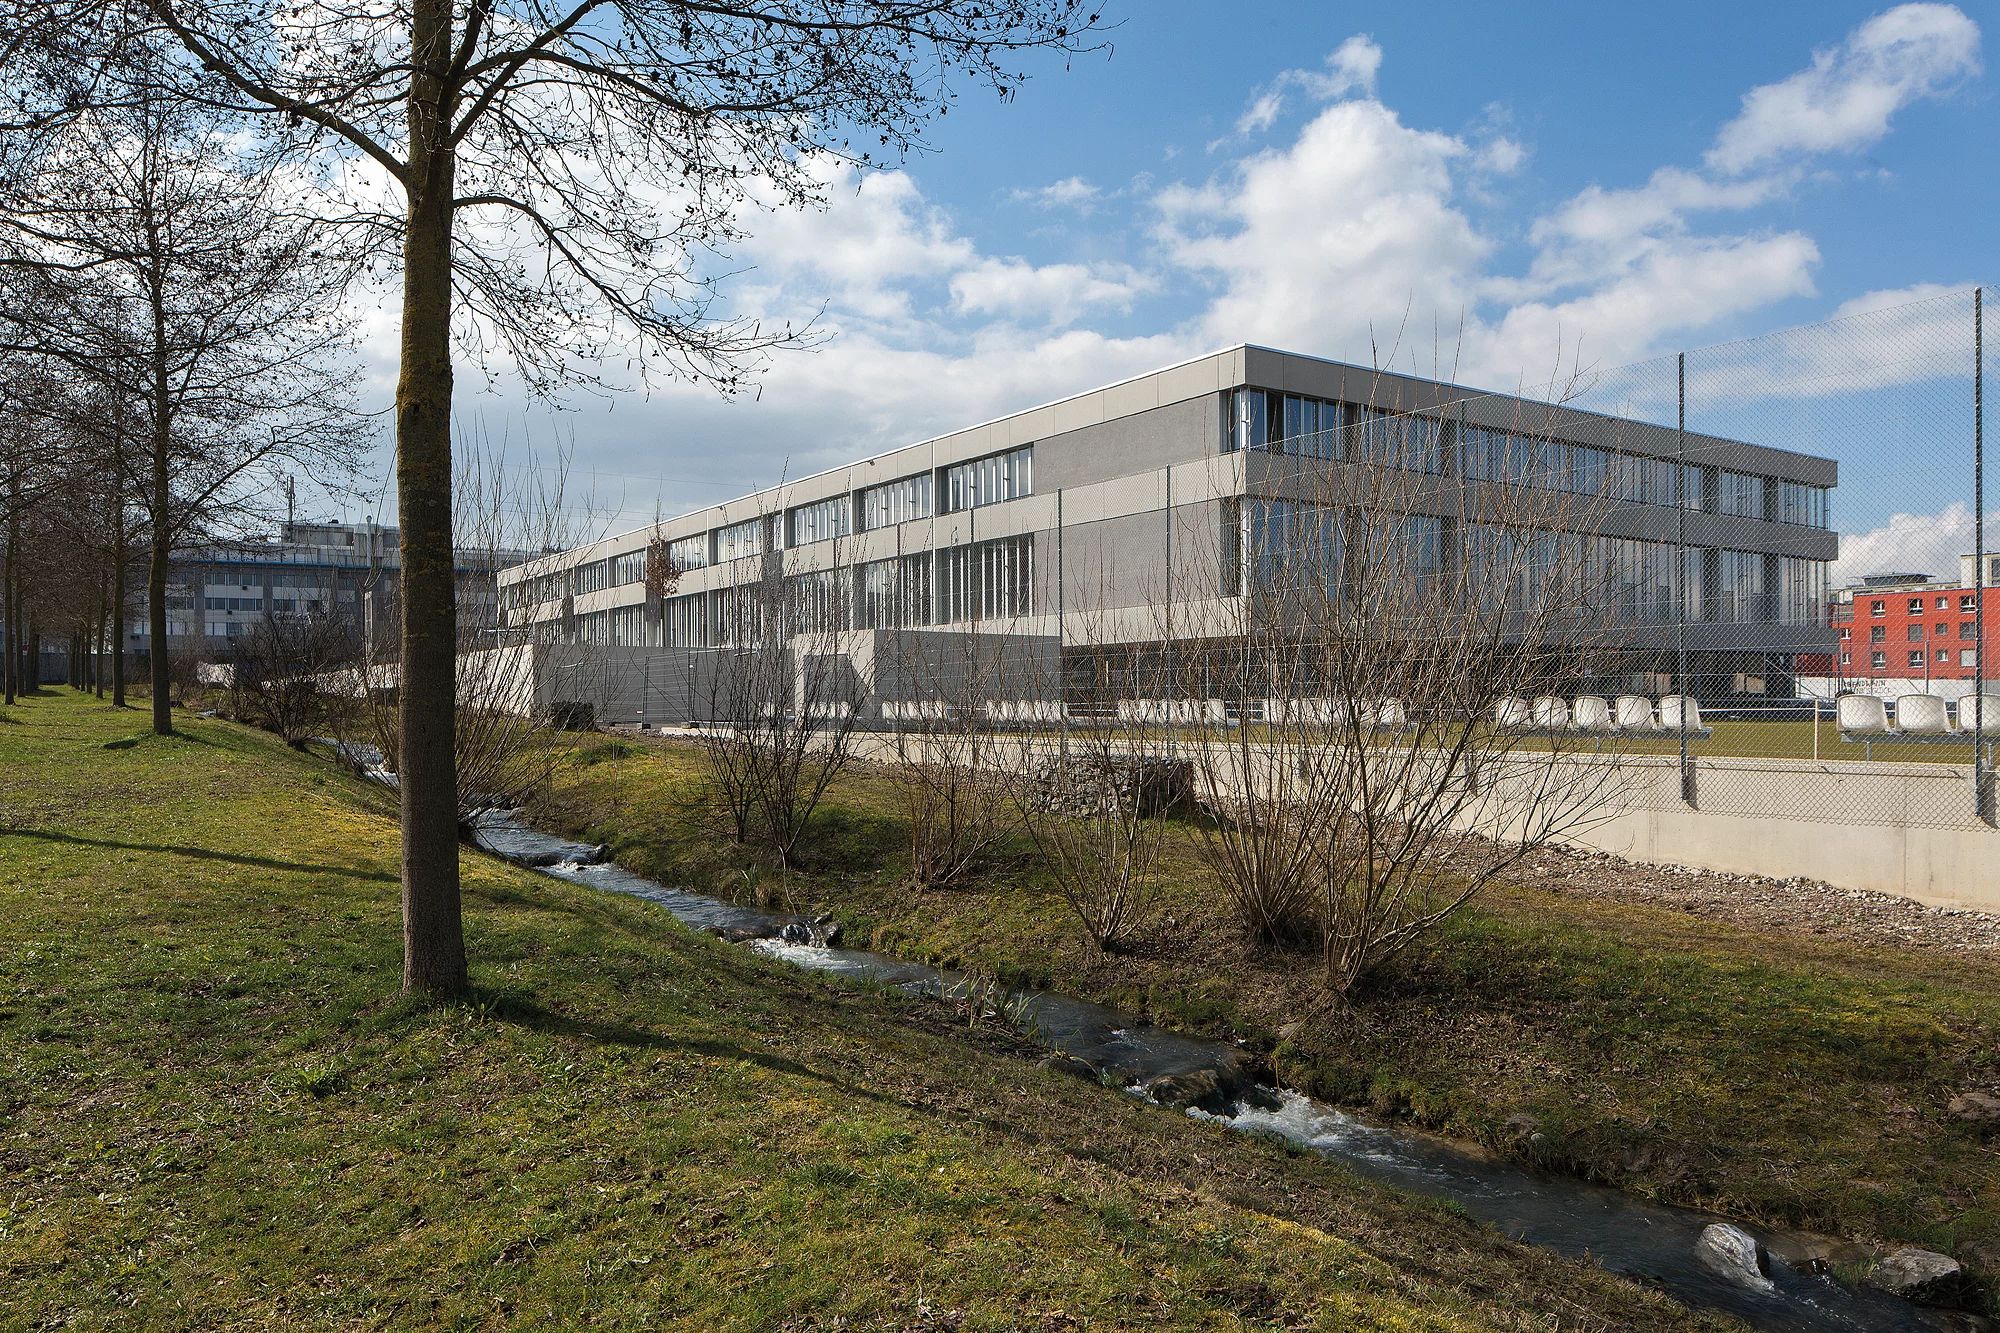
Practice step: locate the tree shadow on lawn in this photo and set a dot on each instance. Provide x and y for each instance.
(204, 854)
(521, 1010)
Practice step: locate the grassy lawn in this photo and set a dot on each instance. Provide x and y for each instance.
(1793, 1080)
(216, 1114)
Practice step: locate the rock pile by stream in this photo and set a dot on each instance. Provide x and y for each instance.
(1088, 785)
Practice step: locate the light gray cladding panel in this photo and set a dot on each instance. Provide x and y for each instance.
(1143, 442)
(1116, 562)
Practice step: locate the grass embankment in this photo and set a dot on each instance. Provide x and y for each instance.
(214, 1113)
(1796, 1081)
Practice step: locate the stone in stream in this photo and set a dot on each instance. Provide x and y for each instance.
(1924, 1276)
(1732, 1253)
(1063, 1063)
(1202, 1088)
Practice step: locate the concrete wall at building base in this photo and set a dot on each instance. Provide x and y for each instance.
(1958, 867)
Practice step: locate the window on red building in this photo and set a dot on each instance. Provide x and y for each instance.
(1917, 658)
(1879, 634)
(1944, 603)
(1941, 631)
(1965, 629)
(1916, 606)
(1878, 608)
(1965, 603)
(1943, 655)
(1879, 659)
(1916, 634)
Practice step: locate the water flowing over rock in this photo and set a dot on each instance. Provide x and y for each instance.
(1916, 1275)
(1732, 1252)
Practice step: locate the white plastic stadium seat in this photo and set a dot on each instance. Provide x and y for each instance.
(1922, 715)
(1672, 708)
(1862, 715)
(1551, 714)
(1635, 713)
(1511, 712)
(1592, 714)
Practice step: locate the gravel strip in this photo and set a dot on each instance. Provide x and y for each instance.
(1796, 906)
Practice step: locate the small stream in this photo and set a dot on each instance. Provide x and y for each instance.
(1653, 1243)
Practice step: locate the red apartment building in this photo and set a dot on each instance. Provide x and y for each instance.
(1913, 627)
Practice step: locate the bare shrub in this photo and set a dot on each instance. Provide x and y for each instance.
(292, 674)
(951, 687)
(783, 694)
(1382, 614)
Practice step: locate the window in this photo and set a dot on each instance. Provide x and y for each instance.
(988, 580)
(632, 628)
(1916, 634)
(1244, 427)
(1943, 656)
(896, 593)
(1309, 427)
(1803, 589)
(740, 540)
(896, 502)
(593, 577)
(818, 522)
(1944, 604)
(1740, 587)
(1939, 630)
(1967, 657)
(1916, 606)
(1878, 659)
(628, 568)
(1846, 659)
(1917, 658)
(1739, 493)
(687, 621)
(1966, 604)
(1878, 608)
(1802, 504)
(819, 601)
(1846, 633)
(1879, 634)
(990, 480)
(689, 552)
(1967, 629)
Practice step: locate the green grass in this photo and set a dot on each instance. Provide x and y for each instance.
(215, 1113)
(1783, 1078)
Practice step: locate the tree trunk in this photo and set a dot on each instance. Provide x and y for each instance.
(8, 599)
(119, 592)
(156, 587)
(427, 767)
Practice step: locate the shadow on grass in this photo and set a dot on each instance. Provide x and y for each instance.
(203, 854)
(519, 1010)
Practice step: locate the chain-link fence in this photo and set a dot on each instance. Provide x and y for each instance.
(1822, 625)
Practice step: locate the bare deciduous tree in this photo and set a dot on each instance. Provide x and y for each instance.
(147, 257)
(558, 172)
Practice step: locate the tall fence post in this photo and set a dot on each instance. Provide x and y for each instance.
(1681, 571)
(1982, 764)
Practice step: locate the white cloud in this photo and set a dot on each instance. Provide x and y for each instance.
(1073, 192)
(1910, 544)
(1351, 224)
(1058, 293)
(1843, 101)
(1501, 156)
(1350, 68)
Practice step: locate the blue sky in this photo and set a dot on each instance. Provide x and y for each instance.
(1576, 185)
